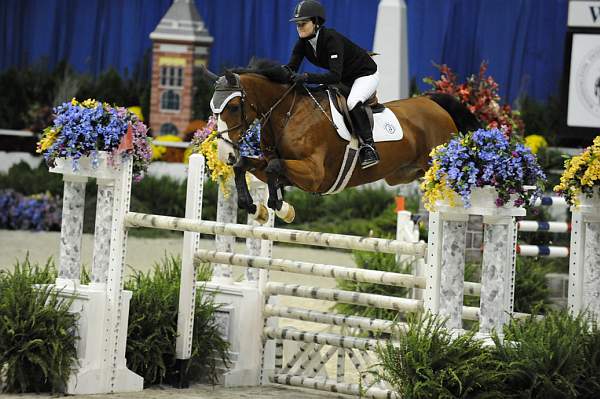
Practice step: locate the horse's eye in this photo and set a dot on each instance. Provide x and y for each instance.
(234, 108)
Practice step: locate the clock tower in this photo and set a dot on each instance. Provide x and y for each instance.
(180, 44)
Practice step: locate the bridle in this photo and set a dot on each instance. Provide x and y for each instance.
(244, 125)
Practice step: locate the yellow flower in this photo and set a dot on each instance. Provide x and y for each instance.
(535, 142)
(219, 171)
(49, 137)
(436, 190)
(581, 171)
(90, 103)
(74, 101)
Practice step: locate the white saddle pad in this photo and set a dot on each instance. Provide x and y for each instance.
(386, 126)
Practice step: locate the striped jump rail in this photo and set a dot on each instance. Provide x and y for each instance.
(551, 201)
(547, 227)
(542, 250)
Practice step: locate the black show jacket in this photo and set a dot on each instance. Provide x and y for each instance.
(344, 60)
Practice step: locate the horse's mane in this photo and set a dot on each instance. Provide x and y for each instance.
(270, 69)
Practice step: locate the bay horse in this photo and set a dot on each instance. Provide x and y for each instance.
(300, 145)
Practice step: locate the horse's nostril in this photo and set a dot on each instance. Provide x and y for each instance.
(231, 159)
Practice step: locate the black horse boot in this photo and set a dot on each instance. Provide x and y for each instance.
(362, 128)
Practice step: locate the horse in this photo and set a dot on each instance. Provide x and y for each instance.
(299, 143)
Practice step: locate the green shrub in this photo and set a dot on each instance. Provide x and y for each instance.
(37, 333)
(153, 327)
(553, 357)
(429, 362)
(531, 291)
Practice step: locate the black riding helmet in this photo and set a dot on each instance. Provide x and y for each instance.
(308, 9)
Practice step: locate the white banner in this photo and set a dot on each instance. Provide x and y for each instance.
(584, 13)
(584, 82)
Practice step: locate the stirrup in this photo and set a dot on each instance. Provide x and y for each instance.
(372, 159)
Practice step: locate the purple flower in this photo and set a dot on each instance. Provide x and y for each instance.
(488, 157)
(85, 131)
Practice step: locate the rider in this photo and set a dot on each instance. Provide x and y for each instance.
(346, 63)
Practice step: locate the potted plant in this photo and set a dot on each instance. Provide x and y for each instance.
(94, 134)
(484, 169)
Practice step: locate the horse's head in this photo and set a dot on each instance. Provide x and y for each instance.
(233, 118)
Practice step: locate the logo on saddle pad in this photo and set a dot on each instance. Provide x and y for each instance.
(386, 126)
(389, 128)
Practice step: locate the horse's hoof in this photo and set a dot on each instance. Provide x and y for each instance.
(262, 213)
(286, 213)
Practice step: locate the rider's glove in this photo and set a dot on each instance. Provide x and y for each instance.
(299, 77)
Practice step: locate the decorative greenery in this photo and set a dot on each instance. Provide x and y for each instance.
(430, 362)
(152, 327)
(480, 94)
(37, 333)
(35, 212)
(557, 356)
(581, 175)
(83, 129)
(553, 357)
(478, 159)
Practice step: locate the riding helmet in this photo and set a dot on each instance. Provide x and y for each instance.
(307, 9)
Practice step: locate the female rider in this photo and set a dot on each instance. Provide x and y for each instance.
(346, 63)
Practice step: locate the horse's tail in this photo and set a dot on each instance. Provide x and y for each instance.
(464, 119)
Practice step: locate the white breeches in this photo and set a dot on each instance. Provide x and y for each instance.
(362, 89)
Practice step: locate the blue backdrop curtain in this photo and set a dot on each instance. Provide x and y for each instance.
(523, 40)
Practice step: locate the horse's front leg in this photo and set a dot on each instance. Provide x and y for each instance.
(276, 185)
(258, 211)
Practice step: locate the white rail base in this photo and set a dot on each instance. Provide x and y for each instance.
(94, 376)
(241, 322)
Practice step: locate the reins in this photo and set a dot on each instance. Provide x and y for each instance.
(244, 122)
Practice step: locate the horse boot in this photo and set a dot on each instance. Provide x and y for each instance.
(362, 128)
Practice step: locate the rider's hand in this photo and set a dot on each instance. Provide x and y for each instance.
(299, 77)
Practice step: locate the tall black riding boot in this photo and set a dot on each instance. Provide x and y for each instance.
(362, 128)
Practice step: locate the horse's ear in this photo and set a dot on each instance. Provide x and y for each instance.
(208, 74)
(230, 76)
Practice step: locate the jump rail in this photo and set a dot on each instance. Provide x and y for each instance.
(328, 240)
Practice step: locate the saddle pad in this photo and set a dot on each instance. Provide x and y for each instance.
(386, 126)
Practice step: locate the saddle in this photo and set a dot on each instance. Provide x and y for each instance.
(341, 92)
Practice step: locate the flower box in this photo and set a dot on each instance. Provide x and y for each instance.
(99, 166)
(483, 202)
(89, 138)
(482, 173)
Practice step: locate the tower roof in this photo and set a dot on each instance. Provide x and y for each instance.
(182, 23)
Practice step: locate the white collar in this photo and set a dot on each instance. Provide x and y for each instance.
(313, 41)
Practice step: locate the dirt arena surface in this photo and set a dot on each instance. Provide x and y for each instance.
(204, 392)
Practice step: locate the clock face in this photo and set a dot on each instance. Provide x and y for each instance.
(584, 83)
